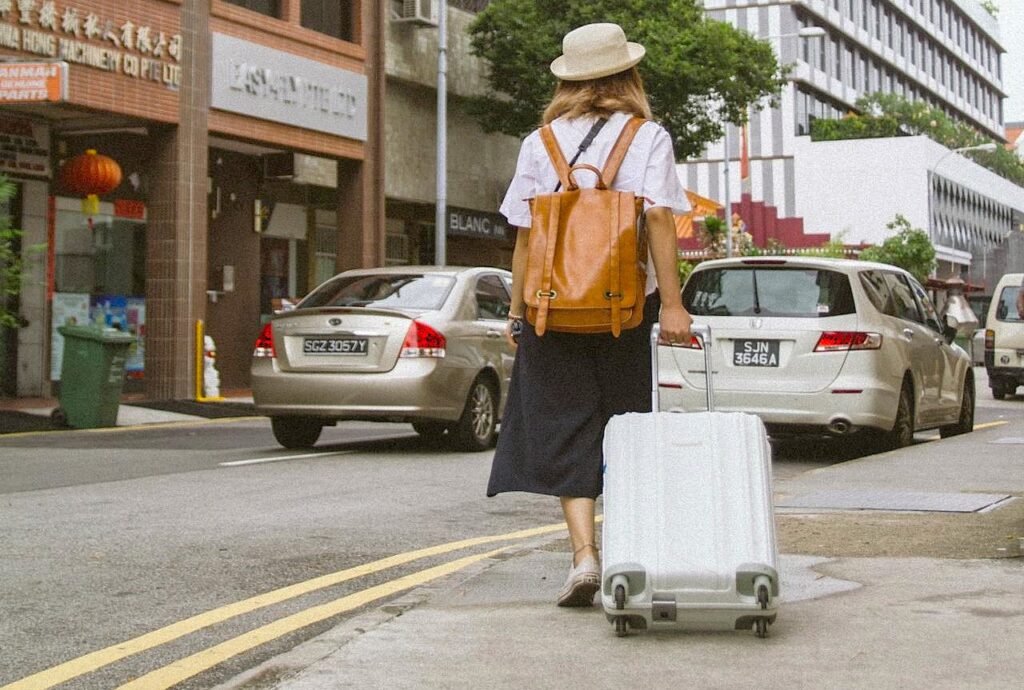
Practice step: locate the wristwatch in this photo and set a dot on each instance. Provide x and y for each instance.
(515, 328)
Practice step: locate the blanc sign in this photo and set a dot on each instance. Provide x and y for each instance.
(467, 223)
(274, 85)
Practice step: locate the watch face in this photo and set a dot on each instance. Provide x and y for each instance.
(516, 329)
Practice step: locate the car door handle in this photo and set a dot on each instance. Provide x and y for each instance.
(494, 334)
(908, 333)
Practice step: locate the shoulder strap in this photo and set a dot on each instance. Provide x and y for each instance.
(618, 153)
(555, 154)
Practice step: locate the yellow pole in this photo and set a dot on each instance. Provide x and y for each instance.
(199, 360)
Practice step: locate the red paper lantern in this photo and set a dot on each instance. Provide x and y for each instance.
(90, 174)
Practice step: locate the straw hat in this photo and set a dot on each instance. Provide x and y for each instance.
(595, 50)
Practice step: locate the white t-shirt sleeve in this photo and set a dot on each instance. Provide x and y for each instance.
(516, 206)
(661, 181)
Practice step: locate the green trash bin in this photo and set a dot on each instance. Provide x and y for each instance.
(92, 376)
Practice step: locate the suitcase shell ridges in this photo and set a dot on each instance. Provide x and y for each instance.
(688, 501)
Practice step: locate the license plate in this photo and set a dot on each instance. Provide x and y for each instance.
(755, 353)
(334, 346)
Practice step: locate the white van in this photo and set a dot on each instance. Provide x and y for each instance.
(1004, 337)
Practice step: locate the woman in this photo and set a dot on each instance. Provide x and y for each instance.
(565, 386)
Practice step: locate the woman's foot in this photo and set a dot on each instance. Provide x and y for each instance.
(584, 579)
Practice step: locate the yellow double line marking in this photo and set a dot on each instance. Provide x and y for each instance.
(196, 663)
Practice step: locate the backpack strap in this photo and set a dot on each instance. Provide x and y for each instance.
(546, 294)
(618, 153)
(555, 154)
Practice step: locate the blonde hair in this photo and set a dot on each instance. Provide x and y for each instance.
(621, 92)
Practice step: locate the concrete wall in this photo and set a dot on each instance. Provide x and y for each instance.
(480, 165)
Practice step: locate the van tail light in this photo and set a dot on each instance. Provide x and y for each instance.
(265, 343)
(842, 341)
(423, 341)
(990, 339)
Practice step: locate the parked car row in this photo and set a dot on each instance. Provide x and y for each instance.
(819, 346)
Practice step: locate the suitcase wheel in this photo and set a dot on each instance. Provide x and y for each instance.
(761, 627)
(620, 597)
(621, 626)
(764, 596)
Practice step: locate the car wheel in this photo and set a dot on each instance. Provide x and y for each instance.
(296, 432)
(902, 433)
(965, 423)
(998, 392)
(430, 430)
(475, 430)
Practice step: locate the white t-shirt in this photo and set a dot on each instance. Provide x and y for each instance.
(648, 170)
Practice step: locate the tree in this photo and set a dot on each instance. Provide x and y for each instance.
(10, 260)
(698, 72)
(909, 248)
(990, 7)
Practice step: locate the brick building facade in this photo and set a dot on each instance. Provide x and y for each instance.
(249, 135)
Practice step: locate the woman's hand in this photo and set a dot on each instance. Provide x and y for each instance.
(508, 331)
(675, 325)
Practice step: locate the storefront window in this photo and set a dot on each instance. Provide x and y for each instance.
(331, 17)
(268, 7)
(99, 277)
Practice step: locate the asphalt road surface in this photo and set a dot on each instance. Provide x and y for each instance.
(139, 554)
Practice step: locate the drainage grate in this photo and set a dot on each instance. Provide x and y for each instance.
(894, 500)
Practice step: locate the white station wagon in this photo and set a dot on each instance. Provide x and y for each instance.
(826, 346)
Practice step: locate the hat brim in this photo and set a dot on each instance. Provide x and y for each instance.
(560, 70)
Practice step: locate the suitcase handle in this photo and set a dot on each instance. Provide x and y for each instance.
(702, 331)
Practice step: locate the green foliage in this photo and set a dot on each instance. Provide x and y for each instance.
(854, 127)
(10, 260)
(888, 115)
(835, 248)
(691, 63)
(990, 7)
(909, 248)
(685, 269)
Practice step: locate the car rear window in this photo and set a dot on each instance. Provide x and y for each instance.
(1006, 310)
(384, 290)
(787, 292)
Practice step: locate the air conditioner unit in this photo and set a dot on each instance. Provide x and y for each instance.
(421, 12)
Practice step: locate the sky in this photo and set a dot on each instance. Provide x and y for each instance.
(1011, 28)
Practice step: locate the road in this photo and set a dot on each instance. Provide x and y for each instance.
(110, 535)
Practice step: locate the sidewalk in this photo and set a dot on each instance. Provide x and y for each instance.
(912, 596)
(19, 415)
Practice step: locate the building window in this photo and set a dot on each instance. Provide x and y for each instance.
(331, 17)
(271, 8)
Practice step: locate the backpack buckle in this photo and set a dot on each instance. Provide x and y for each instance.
(550, 294)
(613, 295)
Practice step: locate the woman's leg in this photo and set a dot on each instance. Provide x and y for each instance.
(579, 516)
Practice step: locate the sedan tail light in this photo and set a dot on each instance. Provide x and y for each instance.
(265, 343)
(842, 341)
(423, 341)
(990, 339)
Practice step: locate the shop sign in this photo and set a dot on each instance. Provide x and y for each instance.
(33, 82)
(469, 223)
(261, 82)
(24, 147)
(132, 47)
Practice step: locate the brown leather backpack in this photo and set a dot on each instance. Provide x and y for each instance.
(586, 265)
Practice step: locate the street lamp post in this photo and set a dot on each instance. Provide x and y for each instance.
(441, 203)
(990, 146)
(806, 32)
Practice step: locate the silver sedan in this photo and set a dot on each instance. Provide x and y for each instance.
(415, 344)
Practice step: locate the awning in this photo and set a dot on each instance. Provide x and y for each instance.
(700, 207)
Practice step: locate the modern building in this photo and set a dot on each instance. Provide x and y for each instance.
(249, 136)
(479, 165)
(944, 52)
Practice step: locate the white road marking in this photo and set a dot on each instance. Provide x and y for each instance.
(281, 458)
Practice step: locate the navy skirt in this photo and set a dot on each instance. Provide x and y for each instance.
(564, 389)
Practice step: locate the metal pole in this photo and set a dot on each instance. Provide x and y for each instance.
(440, 211)
(728, 198)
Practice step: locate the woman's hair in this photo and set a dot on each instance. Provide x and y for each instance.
(621, 92)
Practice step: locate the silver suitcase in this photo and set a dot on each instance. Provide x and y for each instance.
(689, 533)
